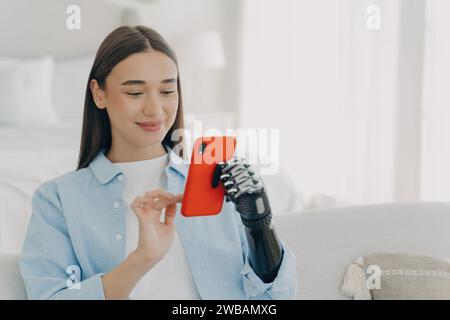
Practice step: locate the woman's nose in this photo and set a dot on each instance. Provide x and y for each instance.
(153, 106)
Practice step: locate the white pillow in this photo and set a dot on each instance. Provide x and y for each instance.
(12, 84)
(33, 96)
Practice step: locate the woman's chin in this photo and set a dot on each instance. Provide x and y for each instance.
(152, 138)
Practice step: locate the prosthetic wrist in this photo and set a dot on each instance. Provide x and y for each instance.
(246, 190)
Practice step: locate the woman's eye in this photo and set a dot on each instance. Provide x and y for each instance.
(134, 93)
(168, 92)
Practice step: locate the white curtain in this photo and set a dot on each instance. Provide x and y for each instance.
(341, 91)
(436, 104)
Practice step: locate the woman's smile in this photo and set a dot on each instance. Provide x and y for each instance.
(150, 126)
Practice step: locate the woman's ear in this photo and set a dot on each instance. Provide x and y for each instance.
(98, 94)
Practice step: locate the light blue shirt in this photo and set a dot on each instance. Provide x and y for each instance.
(77, 233)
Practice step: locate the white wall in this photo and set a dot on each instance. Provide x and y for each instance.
(345, 97)
(175, 19)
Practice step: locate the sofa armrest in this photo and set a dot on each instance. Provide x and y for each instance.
(325, 241)
(11, 284)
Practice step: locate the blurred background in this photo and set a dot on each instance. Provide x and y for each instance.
(358, 89)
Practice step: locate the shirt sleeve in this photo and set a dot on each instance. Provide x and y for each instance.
(48, 264)
(283, 287)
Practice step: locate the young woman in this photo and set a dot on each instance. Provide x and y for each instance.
(111, 229)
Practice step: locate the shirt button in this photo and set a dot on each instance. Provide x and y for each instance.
(116, 205)
(120, 177)
(119, 236)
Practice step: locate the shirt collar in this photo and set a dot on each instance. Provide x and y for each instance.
(104, 170)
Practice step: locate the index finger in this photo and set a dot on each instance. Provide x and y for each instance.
(179, 197)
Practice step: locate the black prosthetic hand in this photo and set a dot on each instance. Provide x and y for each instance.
(246, 190)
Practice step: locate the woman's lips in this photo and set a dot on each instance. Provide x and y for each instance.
(150, 126)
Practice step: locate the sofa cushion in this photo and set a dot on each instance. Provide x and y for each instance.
(326, 240)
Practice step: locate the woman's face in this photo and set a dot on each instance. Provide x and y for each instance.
(139, 92)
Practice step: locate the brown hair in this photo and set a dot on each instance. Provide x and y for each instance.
(118, 45)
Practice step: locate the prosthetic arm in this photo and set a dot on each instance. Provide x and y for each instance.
(246, 190)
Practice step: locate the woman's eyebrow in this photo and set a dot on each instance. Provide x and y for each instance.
(132, 82)
(171, 80)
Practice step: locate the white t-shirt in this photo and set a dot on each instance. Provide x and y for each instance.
(171, 278)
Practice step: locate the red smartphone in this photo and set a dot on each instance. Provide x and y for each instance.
(200, 198)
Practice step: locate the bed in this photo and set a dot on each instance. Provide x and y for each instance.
(30, 156)
(36, 151)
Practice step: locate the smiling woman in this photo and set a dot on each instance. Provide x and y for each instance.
(139, 93)
(115, 219)
(133, 97)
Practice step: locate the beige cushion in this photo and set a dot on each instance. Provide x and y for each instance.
(388, 276)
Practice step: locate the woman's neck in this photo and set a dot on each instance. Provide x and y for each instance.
(132, 153)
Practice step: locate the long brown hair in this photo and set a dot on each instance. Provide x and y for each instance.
(118, 45)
